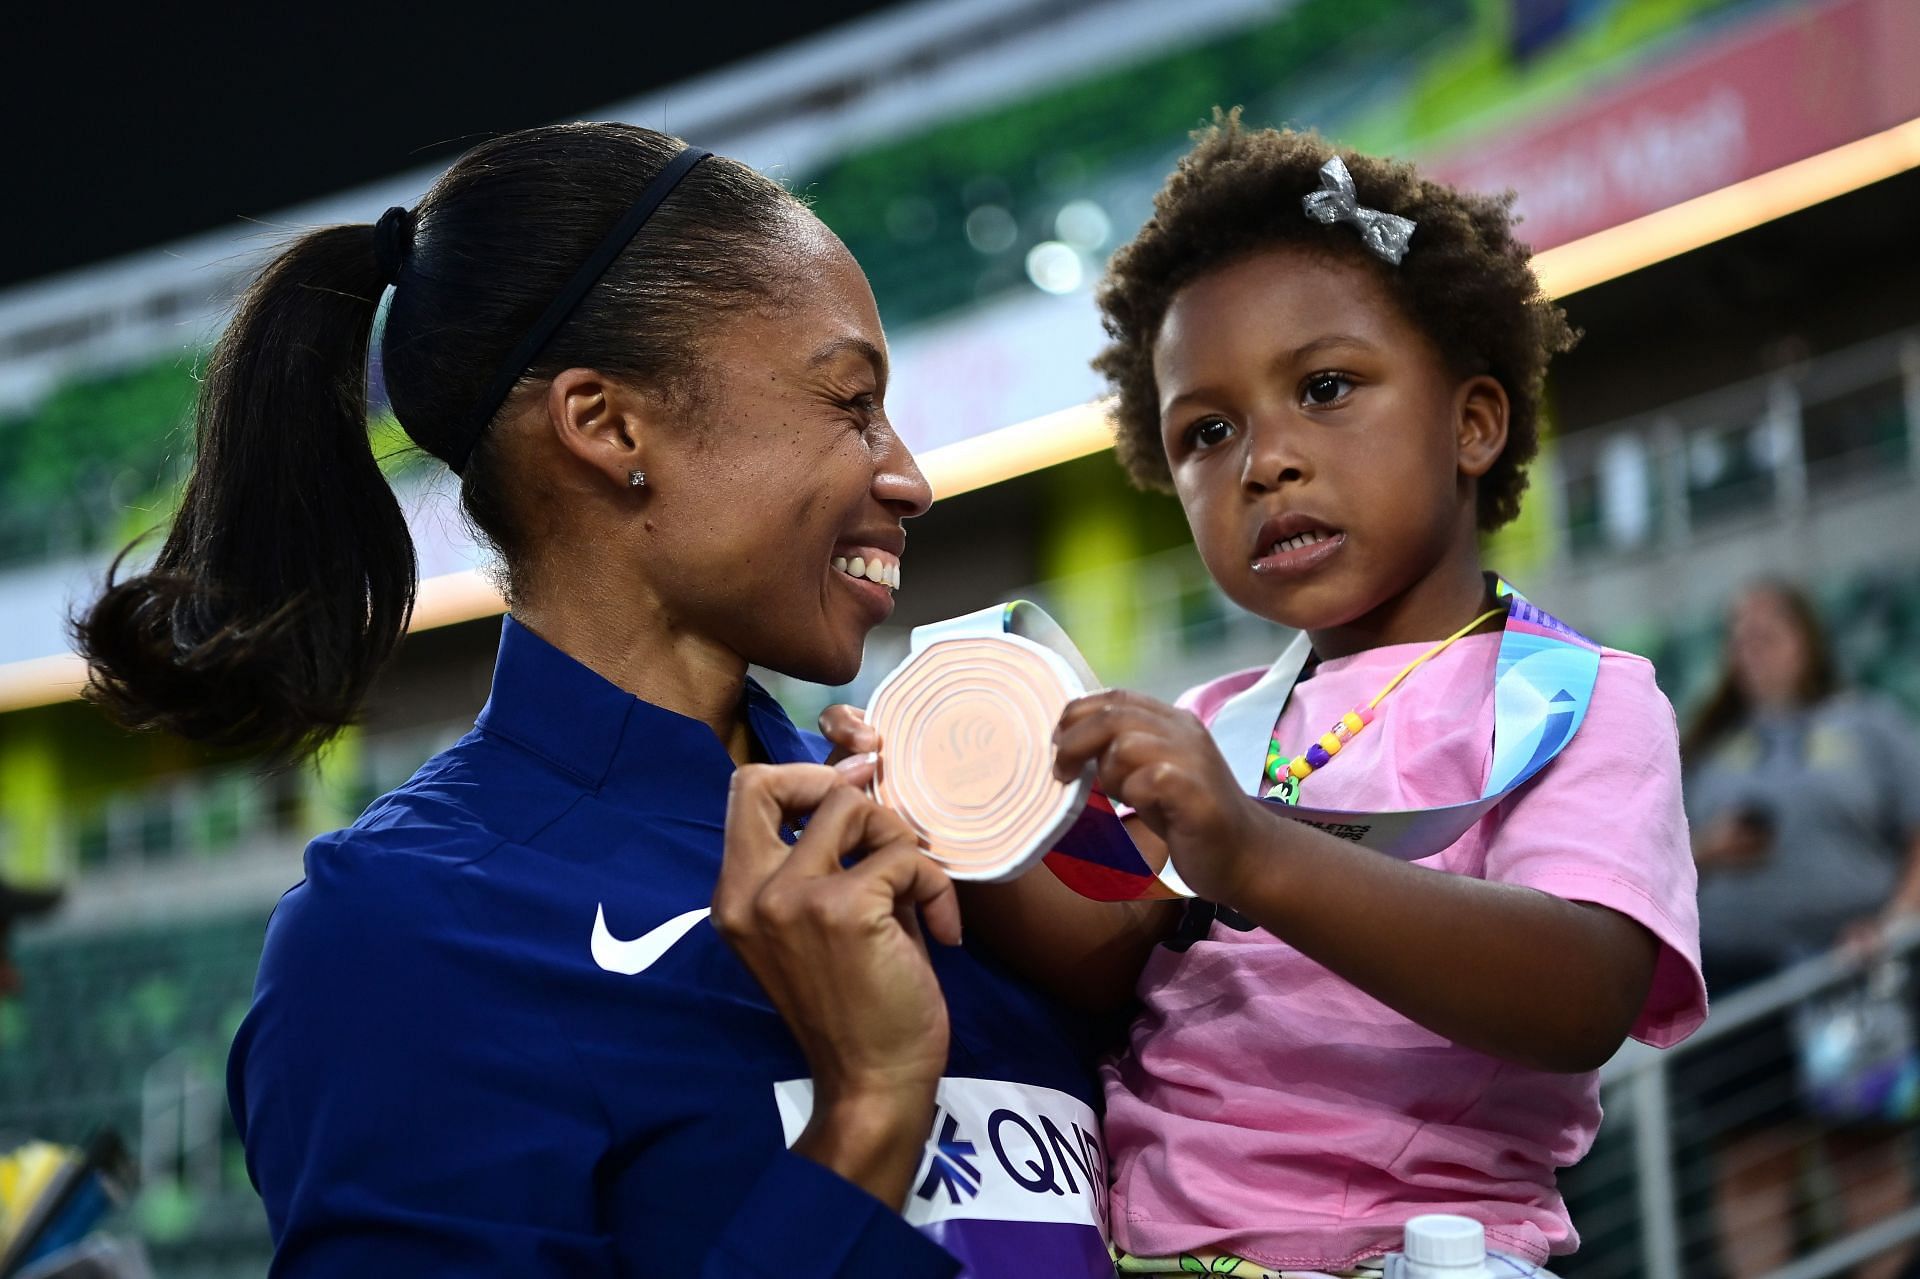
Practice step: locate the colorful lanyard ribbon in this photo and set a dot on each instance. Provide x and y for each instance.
(1543, 683)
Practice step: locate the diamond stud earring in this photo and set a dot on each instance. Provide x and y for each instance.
(636, 479)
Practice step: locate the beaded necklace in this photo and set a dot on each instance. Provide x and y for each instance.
(1288, 772)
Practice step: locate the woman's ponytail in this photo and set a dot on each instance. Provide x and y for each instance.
(288, 576)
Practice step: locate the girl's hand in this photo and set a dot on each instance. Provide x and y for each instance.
(1161, 762)
(846, 729)
(830, 928)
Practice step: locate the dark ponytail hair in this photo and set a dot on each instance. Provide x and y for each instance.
(288, 576)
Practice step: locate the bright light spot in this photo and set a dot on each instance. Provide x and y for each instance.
(991, 229)
(1083, 224)
(1055, 267)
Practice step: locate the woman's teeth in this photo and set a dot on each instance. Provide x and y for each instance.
(885, 572)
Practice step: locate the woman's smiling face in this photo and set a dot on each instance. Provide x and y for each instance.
(1324, 453)
(793, 475)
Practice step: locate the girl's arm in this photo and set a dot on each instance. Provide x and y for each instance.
(1510, 971)
(1520, 974)
(1086, 954)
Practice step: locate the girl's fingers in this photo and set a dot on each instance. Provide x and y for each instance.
(1082, 739)
(1109, 701)
(1146, 790)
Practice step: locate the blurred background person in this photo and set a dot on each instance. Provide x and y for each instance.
(1805, 801)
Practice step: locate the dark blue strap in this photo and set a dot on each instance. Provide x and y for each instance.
(577, 288)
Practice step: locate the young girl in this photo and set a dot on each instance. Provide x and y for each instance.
(1343, 1041)
(1354, 1040)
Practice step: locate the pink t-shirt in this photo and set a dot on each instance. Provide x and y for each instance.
(1267, 1108)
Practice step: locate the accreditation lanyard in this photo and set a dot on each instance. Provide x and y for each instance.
(1543, 683)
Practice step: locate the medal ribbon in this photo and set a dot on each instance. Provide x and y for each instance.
(1543, 683)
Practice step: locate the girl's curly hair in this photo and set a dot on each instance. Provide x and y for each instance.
(1465, 281)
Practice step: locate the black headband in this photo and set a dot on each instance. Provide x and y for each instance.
(569, 297)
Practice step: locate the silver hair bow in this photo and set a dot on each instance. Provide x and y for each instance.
(1384, 233)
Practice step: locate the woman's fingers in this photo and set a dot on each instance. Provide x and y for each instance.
(847, 729)
(914, 881)
(846, 822)
(1863, 939)
(780, 790)
(760, 801)
(843, 823)
(857, 770)
(840, 956)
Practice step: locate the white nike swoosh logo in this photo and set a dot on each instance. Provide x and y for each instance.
(630, 957)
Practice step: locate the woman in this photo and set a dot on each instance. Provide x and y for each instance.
(494, 1031)
(1806, 818)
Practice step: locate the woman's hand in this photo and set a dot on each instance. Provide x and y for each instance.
(1086, 954)
(1732, 841)
(848, 732)
(830, 927)
(1868, 938)
(1161, 761)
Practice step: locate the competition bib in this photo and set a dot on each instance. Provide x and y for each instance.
(1013, 1179)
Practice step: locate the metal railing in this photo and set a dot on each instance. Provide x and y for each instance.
(1673, 1232)
(1755, 451)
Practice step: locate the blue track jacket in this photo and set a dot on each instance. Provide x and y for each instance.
(492, 1036)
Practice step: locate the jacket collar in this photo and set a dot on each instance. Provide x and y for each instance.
(553, 707)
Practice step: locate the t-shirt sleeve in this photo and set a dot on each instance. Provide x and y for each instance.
(1604, 824)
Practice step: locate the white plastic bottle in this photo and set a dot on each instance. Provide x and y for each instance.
(1442, 1246)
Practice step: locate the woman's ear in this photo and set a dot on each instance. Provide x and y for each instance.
(601, 422)
(1480, 424)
